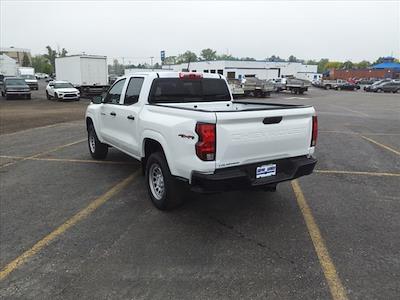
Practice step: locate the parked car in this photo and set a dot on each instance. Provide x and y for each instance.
(366, 81)
(387, 87)
(31, 81)
(187, 132)
(14, 86)
(347, 86)
(41, 75)
(62, 90)
(371, 88)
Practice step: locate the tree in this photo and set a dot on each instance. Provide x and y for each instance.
(208, 54)
(170, 60)
(311, 62)
(51, 57)
(41, 64)
(63, 53)
(275, 58)
(333, 65)
(322, 65)
(226, 57)
(248, 58)
(347, 65)
(292, 58)
(379, 61)
(25, 61)
(363, 64)
(186, 57)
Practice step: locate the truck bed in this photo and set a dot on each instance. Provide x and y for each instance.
(230, 106)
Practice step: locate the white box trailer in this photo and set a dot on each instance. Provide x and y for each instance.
(88, 73)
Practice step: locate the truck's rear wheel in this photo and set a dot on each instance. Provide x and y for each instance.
(97, 149)
(162, 187)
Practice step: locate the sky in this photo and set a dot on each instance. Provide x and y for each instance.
(134, 31)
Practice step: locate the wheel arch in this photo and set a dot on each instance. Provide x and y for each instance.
(153, 142)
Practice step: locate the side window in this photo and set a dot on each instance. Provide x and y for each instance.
(114, 94)
(133, 90)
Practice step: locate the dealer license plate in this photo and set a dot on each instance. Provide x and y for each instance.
(266, 171)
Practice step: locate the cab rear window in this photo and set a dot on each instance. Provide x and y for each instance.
(169, 90)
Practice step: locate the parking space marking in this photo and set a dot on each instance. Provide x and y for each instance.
(43, 153)
(335, 285)
(112, 162)
(350, 110)
(11, 266)
(41, 127)
(356, 133)
(357, 173)
(381, 145)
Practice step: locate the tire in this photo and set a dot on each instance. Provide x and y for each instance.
(56, 97)
(8, 97)
(97, 149)
(164, 191)
(396, 91)
(338, 88)
(328, 87)
(379, 90)
(28, 97)
(2, 94)
(77, 99)
(48, 96)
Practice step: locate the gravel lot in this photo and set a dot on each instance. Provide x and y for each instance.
(75, 228)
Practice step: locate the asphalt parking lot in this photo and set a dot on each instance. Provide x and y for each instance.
(75, 228)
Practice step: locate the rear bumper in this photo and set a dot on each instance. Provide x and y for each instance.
(243, 177)
(18, 93)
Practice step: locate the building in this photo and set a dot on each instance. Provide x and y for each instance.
(8, 66)
(17, 54)
(237, 69)
(387, 69)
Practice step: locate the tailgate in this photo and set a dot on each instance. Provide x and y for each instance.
(245, 137)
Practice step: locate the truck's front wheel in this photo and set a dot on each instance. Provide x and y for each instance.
(97, 149)
(163, 189)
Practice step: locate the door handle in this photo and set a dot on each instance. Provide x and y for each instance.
(130, 117)
(103, 114)
(113, 114)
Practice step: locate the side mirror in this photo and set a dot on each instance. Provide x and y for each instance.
(97, 99)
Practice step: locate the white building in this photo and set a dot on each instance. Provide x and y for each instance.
(260, 69)
(8, 66)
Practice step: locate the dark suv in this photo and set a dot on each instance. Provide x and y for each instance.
(13, 86)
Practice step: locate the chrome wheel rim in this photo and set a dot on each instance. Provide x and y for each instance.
(92, 143)
(156, 181)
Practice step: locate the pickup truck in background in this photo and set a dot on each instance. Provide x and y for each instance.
(188, 132)
(296, 85)
(255, 87)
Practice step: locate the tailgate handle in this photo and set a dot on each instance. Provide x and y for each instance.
(272, 120)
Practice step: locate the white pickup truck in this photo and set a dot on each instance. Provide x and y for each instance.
(188, 132)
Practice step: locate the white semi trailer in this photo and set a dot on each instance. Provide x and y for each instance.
(88, 73)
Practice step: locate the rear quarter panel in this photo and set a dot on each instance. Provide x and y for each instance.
(174, 129)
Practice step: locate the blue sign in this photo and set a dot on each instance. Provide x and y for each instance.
(162, 55)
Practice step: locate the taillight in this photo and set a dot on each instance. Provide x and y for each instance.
(314, 131)
(186, 75)
(205, 147)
